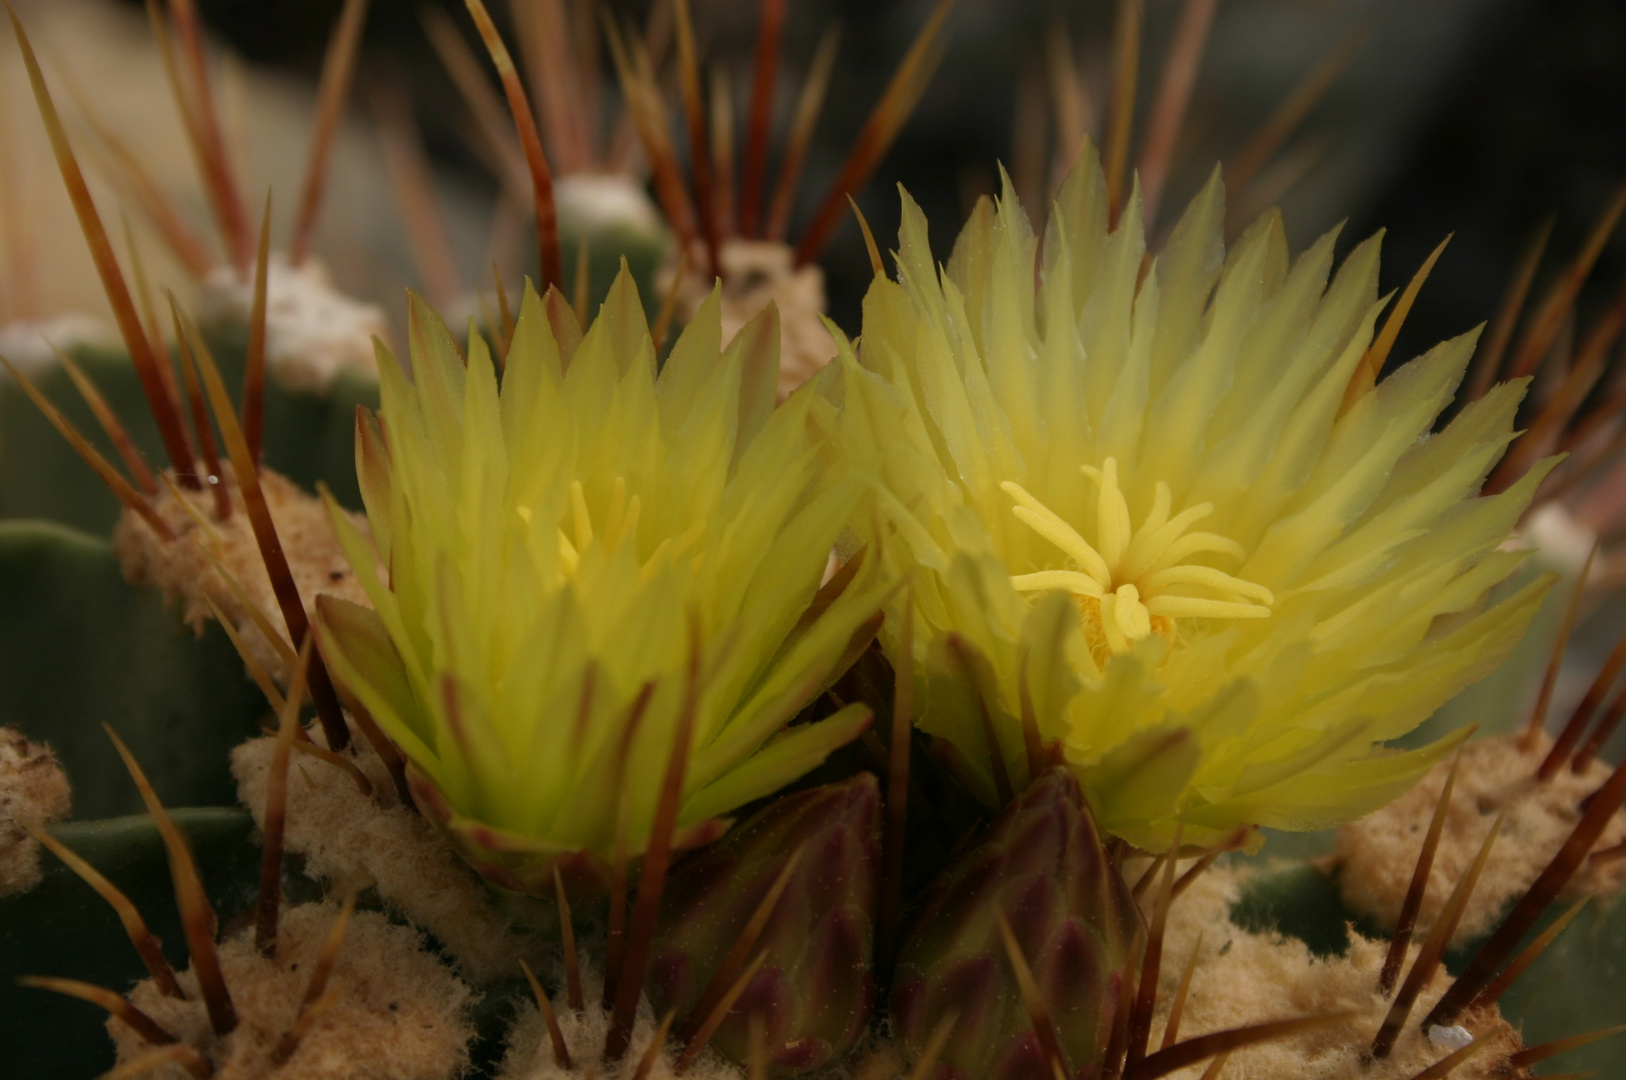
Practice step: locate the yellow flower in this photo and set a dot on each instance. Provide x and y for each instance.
(1155, 507)
(580, 560)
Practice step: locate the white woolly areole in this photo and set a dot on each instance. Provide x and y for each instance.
(312, 331)
(355, 839)
(33, 791)
(1564, 541)
(394, 1011)
(1378, 854)
(530, 1049)
(1454, 1037)
(184, 569)
(27, 344)
(595, 201)
(1243, 977)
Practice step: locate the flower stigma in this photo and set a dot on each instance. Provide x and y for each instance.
(1132, 583)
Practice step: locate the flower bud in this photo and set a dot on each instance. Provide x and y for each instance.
(815, 986)
(1042, 865)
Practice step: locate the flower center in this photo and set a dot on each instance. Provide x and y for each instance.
(620, 523)
(1135, 582)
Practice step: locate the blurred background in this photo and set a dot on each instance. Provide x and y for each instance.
(1480, 118)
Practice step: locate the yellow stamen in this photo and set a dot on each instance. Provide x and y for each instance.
(618, 510)
(1066, 580)
(1132, 582)
(569, 558)
(582, 523)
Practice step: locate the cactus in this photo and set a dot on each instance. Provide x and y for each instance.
(603, 654)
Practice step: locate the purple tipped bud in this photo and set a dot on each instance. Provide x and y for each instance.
(813, 992)
(1040, 863)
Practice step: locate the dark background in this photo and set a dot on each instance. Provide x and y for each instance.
(1478, 117)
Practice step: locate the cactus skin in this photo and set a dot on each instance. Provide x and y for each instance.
(816, 987)
(79, 646)
(1041, 862)
(309, 436)
(61, 927)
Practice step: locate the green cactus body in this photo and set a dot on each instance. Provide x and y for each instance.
(309, 435)
(1042, 865)
(815, 987)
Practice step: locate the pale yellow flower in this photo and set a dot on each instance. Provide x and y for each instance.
(579, 561)
(1153, 504)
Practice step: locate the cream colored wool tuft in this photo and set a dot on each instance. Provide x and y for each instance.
(1377, 854)
(1247, 978)
(185, 574)
(314, 332)
(530, 1051)
(33, 791)
(353, 841)
(397, 1012)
